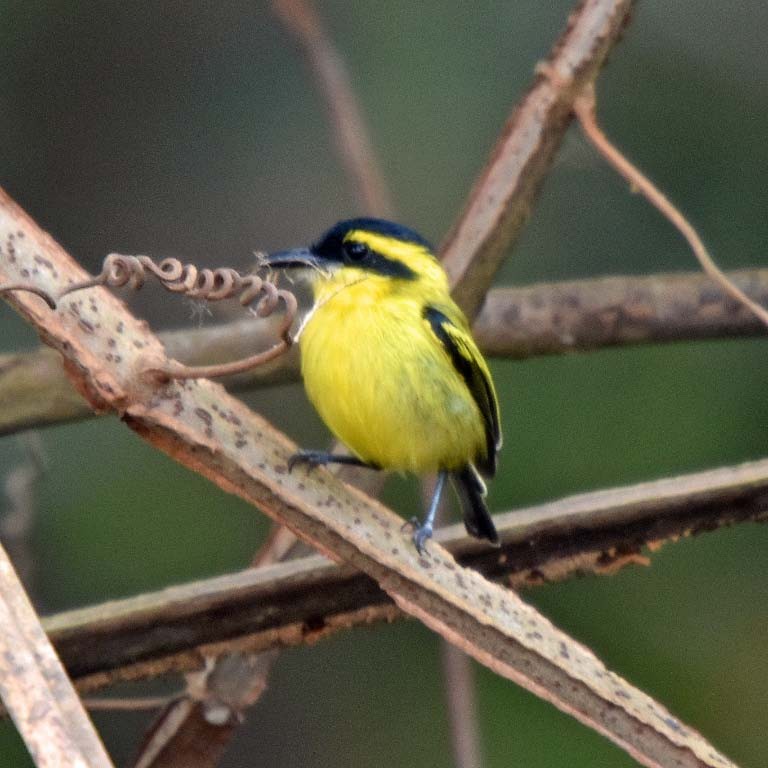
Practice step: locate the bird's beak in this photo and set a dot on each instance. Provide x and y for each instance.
(295, 257)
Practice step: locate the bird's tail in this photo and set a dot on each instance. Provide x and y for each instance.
(471, 491)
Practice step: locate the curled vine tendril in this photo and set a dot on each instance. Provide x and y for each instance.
(29, 289)
(209, 285)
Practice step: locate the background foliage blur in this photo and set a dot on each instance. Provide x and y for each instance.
(193, 129)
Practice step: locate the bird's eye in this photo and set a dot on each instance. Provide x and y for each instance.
(355, 251)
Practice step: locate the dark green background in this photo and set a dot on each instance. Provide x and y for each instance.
(193, 129)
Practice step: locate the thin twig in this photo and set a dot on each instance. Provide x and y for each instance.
(584, 107)
(202, 427)
(300, 601)
(10, 288)
(218, 284)
(133, 704)
(348, 126)
(459, 684)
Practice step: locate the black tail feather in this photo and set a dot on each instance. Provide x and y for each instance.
(471, 491)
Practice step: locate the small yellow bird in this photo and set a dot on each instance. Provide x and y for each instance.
(390, 364)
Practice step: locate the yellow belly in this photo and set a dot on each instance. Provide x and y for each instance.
(386, 388)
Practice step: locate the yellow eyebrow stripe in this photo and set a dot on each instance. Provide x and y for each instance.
(390, 247)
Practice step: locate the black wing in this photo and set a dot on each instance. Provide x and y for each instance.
(467, 360)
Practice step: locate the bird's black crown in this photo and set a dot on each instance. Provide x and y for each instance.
(330, 243)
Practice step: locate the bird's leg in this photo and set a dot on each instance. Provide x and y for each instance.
(424, 531)
(316, 458)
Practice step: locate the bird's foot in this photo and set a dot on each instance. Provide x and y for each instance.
(421, 534)
(310, 458)
(318, 458)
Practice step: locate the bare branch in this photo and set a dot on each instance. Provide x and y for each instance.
(35, 688)
(503, 196)
(348, 126)
(299, 601)
(542, 319)
(584, 315)
(201, 426)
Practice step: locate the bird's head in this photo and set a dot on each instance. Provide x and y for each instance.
(362, 249)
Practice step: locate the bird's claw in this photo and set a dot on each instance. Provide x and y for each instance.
(421, 535)
(311, 458)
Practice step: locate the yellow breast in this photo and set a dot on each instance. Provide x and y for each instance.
(383, 383)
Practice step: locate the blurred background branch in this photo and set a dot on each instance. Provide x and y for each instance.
(348, 129)
(18, 519)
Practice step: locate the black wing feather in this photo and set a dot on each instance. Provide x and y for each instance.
(467, 360)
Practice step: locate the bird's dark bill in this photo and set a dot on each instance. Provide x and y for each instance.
(295, 257)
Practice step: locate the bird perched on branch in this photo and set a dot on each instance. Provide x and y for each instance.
(390, 364)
